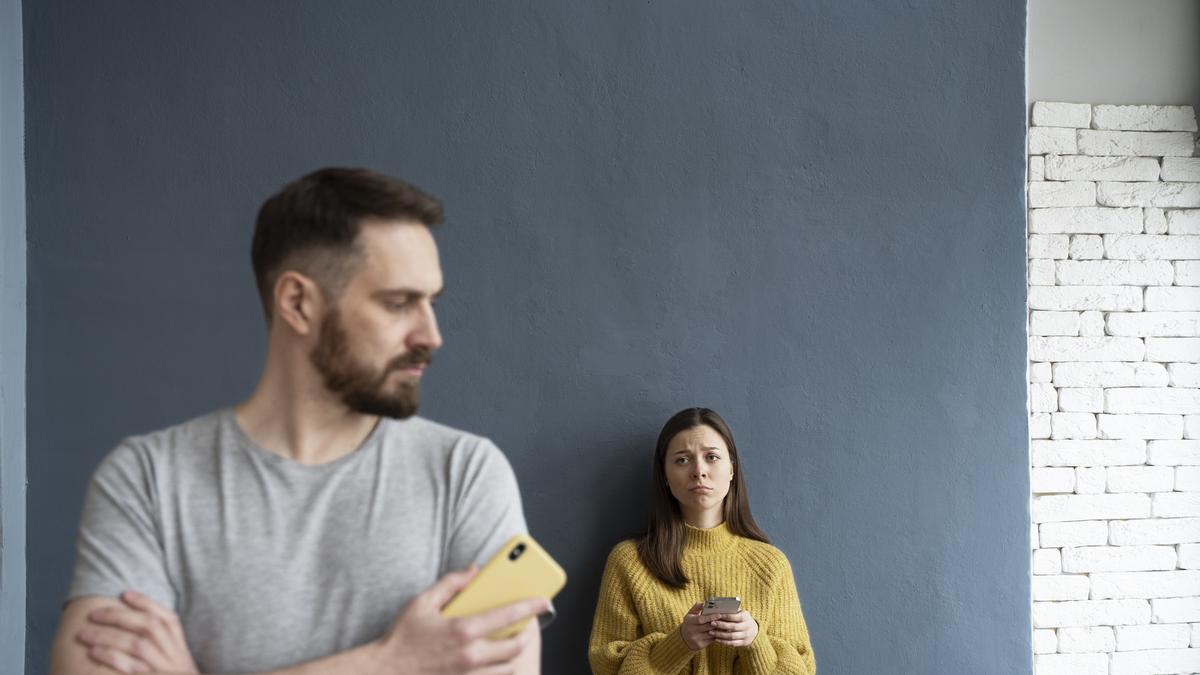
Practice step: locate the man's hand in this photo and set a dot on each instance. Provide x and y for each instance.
(422, 641)
(139, 636)
(735, 630)
(696, 629)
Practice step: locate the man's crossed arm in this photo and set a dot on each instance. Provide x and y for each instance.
(106, 636)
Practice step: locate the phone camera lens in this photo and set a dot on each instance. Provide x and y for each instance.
(516, 552)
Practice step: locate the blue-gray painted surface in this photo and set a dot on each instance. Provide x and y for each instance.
(808, 216)
(12, 340)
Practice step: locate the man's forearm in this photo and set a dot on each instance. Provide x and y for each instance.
(365, 658)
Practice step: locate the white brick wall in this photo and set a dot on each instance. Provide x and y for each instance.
(1114, 388)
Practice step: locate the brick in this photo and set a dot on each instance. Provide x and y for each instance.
(1191, 426)
(1144, 117)
(1048, 245)
(1042, 398)
(1172, 453)
(1086, 640)
(1196, 635)
(1175, 610)
(1053, 114)
(1166, 195)
(1152, 661)
(1043, 140)
(1159, 324)
(1189, 556)
(1176, 504)
(1039, 425)
(1187, 273)
(1187, 478)
(1044, 641)
(1154, 220)
(1152, 247)
(1037, 169)
(1114, 272)
(1141, 479)
(1153, 531)
(1181, 169)
(1087, 453)
(1090, 480)
(1163, 350)
(1182, 221)
(1184, 374)
(1041, 272)
(1152, 400)
(1047, 561)
(1079, 167)
(1156, 427)
(1061, 587)
(1091, 324)
(1164, 636)
(1062, 193)
(1132, 143)
(1086, 247)
(1058, 508)
(1110, 374)
(1117, 558)
(1091, 613)
(1086, 219)
(1102, 298)
(1147, 585)
(1073, 426)
(1074, 533)
(1047, 480)
(1087, 348)
(1041, 372)
(1185, 299)
(1071, 664)
(1081, 400)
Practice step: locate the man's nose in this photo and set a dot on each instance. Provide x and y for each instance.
(426, 334)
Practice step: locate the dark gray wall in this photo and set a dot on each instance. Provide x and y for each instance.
(807, 216)
(12, 339)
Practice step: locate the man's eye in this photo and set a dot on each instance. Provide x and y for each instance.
(399, 306)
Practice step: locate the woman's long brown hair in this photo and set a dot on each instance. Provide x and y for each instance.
(661, 548)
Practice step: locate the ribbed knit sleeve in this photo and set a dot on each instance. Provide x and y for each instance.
(782, 646)
(616, 647)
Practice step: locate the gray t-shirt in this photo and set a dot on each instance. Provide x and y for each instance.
(271, 563)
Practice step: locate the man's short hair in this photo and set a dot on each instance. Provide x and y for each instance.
(312, 225)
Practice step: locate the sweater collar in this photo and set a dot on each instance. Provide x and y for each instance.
(711, 540)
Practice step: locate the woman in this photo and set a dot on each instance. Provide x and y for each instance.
(702, 542)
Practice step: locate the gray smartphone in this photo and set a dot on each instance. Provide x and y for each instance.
(719, 605)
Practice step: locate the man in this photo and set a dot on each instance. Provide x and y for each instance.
(305, 530)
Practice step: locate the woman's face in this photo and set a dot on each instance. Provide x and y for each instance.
(699, 471)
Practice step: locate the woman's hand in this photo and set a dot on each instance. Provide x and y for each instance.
(696, 629)
(735, 630)
(140, 637)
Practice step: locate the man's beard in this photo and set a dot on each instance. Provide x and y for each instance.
(362, 389)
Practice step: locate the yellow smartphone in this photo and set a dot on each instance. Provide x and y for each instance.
(520, 569)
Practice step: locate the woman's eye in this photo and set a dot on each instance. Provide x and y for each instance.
(681, 460)
(714, 458)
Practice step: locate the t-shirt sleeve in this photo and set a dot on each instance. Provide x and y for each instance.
(119, 546)
(486, 509)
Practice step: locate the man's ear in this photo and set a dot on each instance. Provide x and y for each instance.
(298, 301)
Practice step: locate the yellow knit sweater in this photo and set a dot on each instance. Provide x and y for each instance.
(636, 628)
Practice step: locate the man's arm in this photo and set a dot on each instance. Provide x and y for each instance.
(69, 656)
(100, 636)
